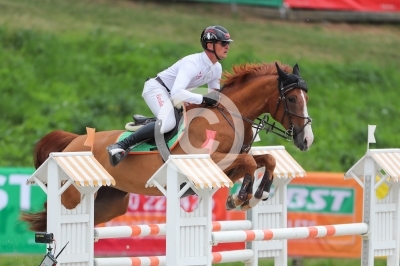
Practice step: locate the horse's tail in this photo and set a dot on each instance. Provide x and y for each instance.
(55, 141)
(37, 221)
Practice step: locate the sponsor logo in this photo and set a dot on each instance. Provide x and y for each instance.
(160, 101)
(321, 199)
(210, 31)
(199, 76)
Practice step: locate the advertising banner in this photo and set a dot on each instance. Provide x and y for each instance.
(15, 195)
(347, 5)
(324, 199)
(318, 199)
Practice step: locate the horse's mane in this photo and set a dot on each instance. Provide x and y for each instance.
(242, 73)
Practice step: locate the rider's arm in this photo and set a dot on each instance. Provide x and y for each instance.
(214, 84)
(179, 89)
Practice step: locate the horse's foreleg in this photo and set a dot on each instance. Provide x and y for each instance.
(262, 183)
(244, 166)
(245, 192)
(109, 203)
(269, 162)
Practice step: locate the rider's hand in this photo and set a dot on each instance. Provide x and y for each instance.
(211, 99)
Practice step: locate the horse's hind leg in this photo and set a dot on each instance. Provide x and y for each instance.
(109, 203)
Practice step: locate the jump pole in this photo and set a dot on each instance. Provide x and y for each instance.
(289, 233)
(217, 257)
(161, 229)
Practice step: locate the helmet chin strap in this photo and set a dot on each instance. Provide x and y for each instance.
(213, 51)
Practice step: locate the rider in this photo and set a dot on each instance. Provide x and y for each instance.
(175, 82)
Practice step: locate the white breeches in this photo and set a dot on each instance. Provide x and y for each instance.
(159, 102)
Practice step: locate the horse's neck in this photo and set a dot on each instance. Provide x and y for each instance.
(251, 99)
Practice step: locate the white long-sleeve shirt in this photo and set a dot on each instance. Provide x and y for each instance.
(190, 72)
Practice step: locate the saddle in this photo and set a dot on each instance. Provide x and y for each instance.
(138, 122)
(141, 120)
(171, 138)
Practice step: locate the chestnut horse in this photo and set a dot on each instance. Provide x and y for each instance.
(249, 91)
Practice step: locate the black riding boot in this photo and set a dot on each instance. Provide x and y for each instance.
(118, 151)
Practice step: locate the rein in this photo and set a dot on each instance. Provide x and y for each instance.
(262, 124)
(258, 127)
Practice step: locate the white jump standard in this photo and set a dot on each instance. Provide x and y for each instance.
(190, 236)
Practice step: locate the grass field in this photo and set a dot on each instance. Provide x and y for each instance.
(84, 62)
(70, 64)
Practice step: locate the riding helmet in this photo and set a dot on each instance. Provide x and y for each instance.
(214, 34)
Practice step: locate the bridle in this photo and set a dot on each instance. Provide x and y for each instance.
(289, 133)
(263, 123)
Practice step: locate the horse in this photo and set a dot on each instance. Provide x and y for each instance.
(248, 91)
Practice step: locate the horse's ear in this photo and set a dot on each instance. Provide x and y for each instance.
(296, 70)
(281, 73)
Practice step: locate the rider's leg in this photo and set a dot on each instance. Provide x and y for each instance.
(118, 151)
(159, 102)
(157, 98)
(145, 132)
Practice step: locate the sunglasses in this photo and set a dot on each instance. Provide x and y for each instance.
(224, 43)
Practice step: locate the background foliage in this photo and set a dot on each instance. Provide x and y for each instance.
(71, 64)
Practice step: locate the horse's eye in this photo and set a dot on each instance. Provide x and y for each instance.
(292, 99)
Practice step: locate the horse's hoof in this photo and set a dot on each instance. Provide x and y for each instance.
(230, 203)
(245, 206)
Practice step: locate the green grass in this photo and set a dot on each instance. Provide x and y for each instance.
(20, 260)
(68, 65)
(71, 64)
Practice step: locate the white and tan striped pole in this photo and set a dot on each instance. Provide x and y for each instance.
(160, 229)
(289, 233)
(217, 257)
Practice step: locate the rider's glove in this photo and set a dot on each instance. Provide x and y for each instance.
(211, 99)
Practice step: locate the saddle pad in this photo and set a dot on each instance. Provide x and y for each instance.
(146, 147)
